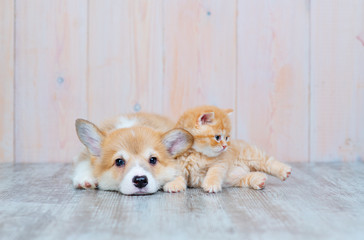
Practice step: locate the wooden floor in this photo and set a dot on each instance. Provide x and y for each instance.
(319, 201)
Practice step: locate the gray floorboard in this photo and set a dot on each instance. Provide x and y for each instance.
(319, 201)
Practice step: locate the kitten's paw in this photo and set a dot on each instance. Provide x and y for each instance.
(174, 187)
(211, 186)
(85, 182)
(285, 172)
(258, 181)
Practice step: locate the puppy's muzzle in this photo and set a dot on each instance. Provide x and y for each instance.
(140, 181)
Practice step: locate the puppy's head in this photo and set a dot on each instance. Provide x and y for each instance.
(136, 160)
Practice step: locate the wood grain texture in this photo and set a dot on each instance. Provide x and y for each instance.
(273, 77)
(319, 201)
(292, 70)
(50, 78)
(125, 58)
(337, 88)
(200, 54)
(7, 80)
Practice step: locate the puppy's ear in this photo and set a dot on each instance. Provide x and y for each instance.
(177, 141)
(90, 136)
(206, 118)
(229, 112)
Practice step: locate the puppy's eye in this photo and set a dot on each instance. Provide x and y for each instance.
(218, 137)
(119, 162)
(153, 160)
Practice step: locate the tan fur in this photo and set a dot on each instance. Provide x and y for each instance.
(204, 135)
(134, 140)
(137, 143)
(157, 122)
(154, 121)
(240, 165)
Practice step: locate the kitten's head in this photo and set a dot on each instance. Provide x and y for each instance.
(210, 127)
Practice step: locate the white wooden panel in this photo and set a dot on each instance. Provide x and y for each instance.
(337, 80)
(200, 54)
(273, 77)
(298, 92)
(6, 80)
(51, 44)
(125, 57)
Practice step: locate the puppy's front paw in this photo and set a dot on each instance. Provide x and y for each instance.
(174, 186)
(285, 172)
(211, 186)
(84, 182)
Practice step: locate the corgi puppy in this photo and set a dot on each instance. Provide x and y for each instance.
(133, 154)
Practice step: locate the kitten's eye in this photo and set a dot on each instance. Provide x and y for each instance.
(119, 162)
(153, 160)
(227, 138)
(217, 137)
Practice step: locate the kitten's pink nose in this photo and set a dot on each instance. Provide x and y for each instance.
(223, 146)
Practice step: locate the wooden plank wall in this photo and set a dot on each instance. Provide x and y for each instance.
(125, 70)
(7, 81)
(273, 76)
(337, 80)
(50, 78)
(200, 54)
(292, 70)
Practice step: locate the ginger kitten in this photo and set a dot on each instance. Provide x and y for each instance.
(215, 161)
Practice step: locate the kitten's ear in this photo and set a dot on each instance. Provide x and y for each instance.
(229, 111)
(90, 136)
(206, 118)
(177, 141)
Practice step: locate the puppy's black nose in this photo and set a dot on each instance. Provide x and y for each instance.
(140, 181)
